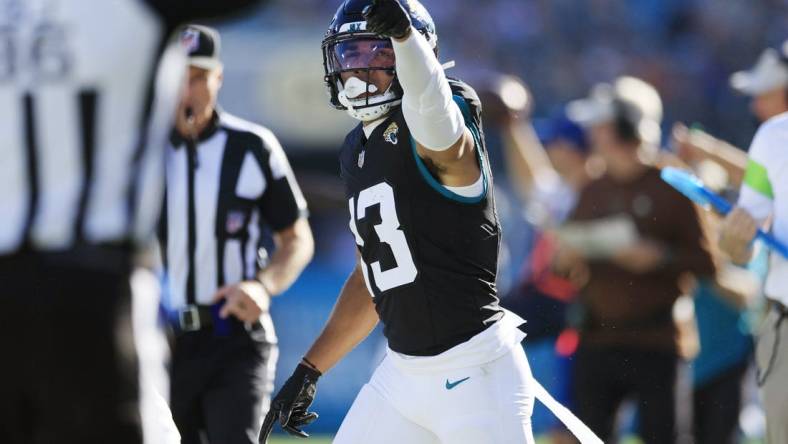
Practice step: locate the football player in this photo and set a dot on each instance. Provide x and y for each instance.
(422, 212)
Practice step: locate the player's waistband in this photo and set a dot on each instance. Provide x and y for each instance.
(487, 346)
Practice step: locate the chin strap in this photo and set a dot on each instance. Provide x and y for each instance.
(342, 96)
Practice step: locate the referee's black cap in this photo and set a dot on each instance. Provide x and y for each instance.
(203, 45)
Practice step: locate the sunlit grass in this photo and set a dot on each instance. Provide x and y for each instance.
(292, 440)
(327, 440)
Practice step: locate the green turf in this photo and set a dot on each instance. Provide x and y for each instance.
(327, 440)
(290, 440)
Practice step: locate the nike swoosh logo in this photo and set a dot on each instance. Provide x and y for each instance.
(451, 385)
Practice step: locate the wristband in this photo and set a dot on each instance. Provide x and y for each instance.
(260, 281)
(311, 365)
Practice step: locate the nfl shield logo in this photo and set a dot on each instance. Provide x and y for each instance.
(234, 222)
(190, 40)
(361, 159)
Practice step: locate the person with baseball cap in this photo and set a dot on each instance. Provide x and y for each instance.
(761, 202)
(766, 83)
(634, 237)
(227, 182)
(722, 366)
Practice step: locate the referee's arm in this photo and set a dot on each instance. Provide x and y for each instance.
(283, 209)
(248, 299)
(294, 249)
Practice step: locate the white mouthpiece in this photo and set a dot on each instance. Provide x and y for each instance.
(354, 87)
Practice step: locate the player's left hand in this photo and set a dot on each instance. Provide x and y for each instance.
(246, 301)
(291, 405)
(387, 18)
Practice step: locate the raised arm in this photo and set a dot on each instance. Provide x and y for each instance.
(695, 145)
(434, 118)
(527, 163)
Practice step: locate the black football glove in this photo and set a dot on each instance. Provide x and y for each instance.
(291, 404)
(387, 18)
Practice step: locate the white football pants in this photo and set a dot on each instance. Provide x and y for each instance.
(483, 404)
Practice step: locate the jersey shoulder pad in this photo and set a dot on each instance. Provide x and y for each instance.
(258, 136)
(462, 89)
(473, 108)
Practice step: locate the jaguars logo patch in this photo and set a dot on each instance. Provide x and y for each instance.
(390, 135)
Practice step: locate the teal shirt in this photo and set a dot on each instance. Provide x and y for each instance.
(725, 339)
(725, 331)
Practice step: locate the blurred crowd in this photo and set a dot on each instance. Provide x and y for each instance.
(686, 49)
(628, 298)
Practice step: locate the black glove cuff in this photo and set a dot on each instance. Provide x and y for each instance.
(305, 371)
(403, 34)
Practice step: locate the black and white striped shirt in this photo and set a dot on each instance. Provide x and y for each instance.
(87, 93)
(221, 193)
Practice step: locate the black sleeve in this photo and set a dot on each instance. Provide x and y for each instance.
(282, 203)
(177, 12)
(471, 107)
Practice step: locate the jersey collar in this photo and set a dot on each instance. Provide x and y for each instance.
(371, 126)
(178, 140)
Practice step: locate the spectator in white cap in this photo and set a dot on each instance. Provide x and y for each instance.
(766, 83)
(762, 202)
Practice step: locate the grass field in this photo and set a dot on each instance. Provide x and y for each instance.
(327, 440)
(311, 440)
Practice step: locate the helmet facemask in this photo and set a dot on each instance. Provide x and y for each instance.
(361, 54)
(349, 27)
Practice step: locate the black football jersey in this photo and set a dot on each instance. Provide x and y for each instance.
(429, 255)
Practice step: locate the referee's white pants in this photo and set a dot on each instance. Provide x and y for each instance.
(420, 406)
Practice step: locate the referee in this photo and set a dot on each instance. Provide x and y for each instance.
(227, 181)
(81, 148)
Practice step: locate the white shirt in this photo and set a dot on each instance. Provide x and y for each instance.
(764, 193)
(81, 153)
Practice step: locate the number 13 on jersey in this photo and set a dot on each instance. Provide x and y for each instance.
(388, 232)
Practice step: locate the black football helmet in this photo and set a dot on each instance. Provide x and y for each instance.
(348, 46)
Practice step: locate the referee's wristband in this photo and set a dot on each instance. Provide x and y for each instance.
(260, 281)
